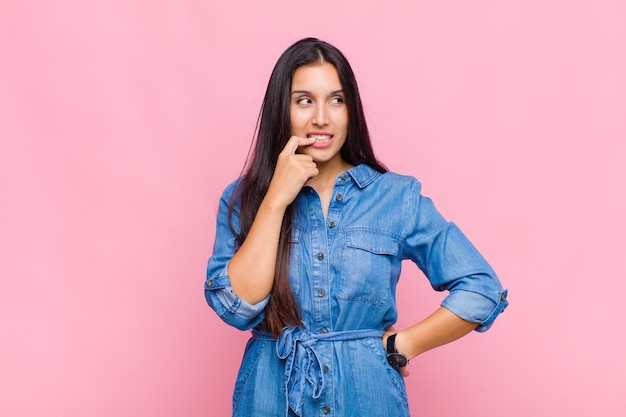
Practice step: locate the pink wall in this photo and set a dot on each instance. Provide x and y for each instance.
(122, 121)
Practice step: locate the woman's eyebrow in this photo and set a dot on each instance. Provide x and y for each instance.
(308, 92)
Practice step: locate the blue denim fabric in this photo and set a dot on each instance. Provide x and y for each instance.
(343, 273)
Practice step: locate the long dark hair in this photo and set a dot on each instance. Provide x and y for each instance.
(273, 132)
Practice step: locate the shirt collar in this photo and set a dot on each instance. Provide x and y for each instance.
(363, 175)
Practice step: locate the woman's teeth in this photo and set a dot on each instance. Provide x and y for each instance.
(320, 138)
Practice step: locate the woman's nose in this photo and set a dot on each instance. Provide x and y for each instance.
(321, 117)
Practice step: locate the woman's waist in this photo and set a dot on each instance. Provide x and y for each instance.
(303, 333)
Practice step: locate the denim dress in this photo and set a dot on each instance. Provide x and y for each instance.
(343, 273)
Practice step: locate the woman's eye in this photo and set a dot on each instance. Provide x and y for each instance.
(337, 100)
(304, 100)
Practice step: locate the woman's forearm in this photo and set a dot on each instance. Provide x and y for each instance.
(251, 269)
(441, 327)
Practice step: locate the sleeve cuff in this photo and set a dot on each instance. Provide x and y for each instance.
(475, 307)
(239, 307)
(221, 288)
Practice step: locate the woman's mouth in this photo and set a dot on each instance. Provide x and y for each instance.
(319, 137)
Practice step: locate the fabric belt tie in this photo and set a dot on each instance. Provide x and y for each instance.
(295, 345)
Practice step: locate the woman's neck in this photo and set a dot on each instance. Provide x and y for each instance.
(324, 182)
(328, 172)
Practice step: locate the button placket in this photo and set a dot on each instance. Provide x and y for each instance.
(321, 254)
(335, 208)
(319, 248)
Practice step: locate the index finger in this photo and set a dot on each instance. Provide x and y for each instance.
(295, 141)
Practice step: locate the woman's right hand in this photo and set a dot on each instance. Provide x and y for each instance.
(292, 172)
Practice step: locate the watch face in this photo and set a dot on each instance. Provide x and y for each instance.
(397, 360)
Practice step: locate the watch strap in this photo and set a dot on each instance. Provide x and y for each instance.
(391, 344)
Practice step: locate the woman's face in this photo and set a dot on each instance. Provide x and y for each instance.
(318, 110)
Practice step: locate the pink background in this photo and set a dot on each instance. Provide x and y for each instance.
(122, 121)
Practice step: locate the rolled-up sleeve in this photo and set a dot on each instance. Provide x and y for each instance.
(451, 262)
(476, 307)
(217, 289)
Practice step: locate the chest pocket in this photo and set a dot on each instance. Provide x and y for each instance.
(368, 266)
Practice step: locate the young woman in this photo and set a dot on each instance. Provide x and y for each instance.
(308, 251)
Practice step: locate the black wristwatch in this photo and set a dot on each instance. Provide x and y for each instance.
(395, 358)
